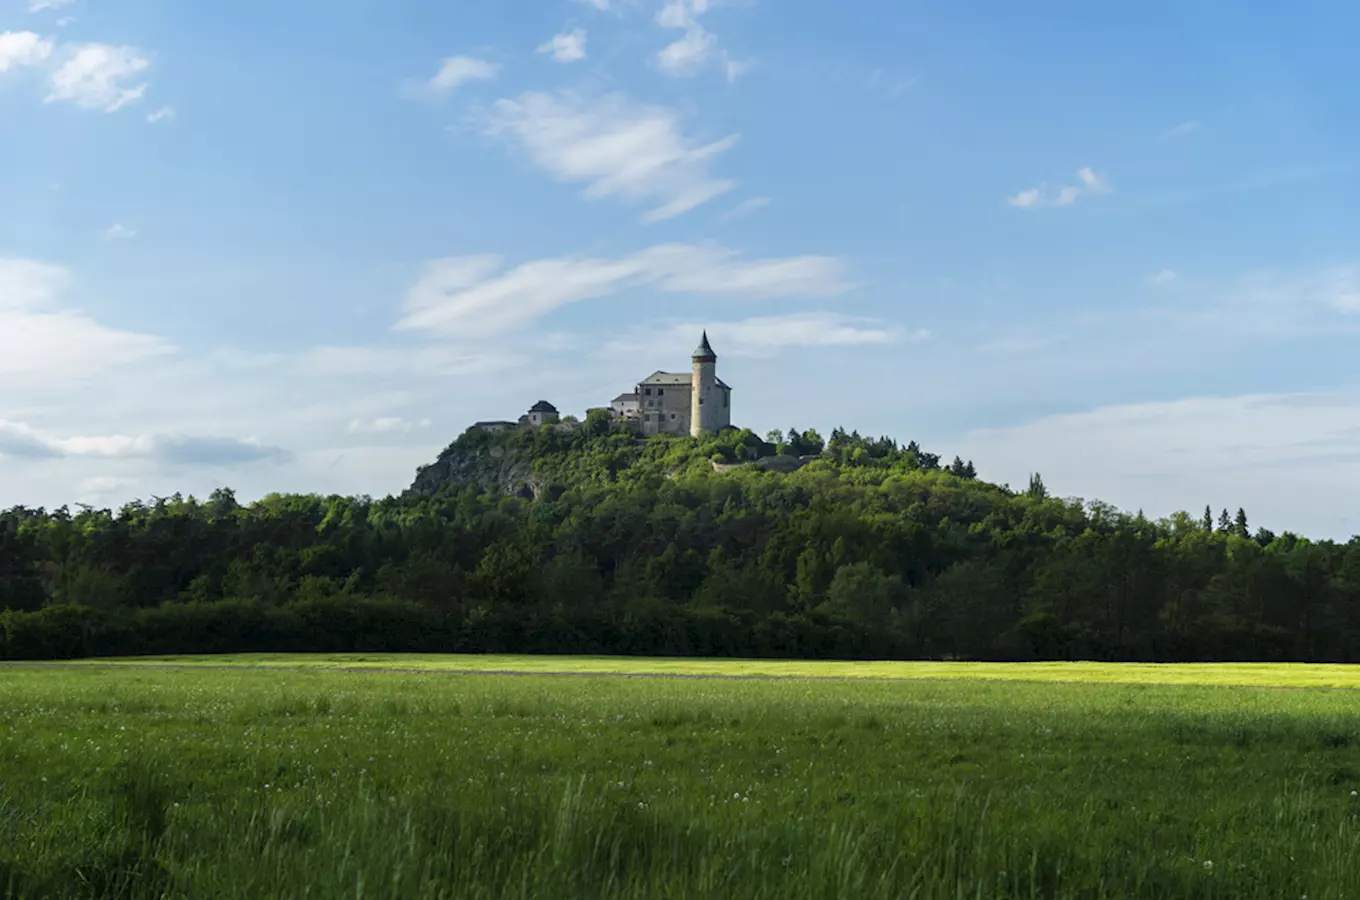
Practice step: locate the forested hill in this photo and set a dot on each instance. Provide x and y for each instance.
(587, 540)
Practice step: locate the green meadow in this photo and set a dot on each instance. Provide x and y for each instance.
(372, 776)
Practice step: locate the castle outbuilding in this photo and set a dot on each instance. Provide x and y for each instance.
(541, 413)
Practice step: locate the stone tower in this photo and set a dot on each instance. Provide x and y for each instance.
(704, 402)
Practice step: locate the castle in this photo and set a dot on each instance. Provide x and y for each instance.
(694, 402)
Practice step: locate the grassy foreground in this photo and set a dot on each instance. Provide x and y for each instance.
(288, 781)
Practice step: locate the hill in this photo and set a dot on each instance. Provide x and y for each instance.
(586, 539)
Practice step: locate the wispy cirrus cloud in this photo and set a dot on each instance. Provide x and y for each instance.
(40, 340)
(118, 232)
(474, 296)
(1184, 129)
(745, 208)
(385, 425)
(23, 441)
(618, 148)
(453, 71)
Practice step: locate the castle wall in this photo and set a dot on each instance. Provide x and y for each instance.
(665, 408)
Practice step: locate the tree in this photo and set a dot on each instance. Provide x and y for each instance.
(1240, 525)
(1036, 491)
(1224, 522)
(1208, 522)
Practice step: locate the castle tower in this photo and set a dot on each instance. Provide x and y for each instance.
(704, 402)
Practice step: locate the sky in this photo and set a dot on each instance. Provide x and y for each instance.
(299, 247)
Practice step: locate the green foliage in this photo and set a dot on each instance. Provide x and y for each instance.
(586, 538)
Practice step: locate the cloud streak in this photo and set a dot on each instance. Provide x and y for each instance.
(25, 442)
(617, 148)
(472, 296)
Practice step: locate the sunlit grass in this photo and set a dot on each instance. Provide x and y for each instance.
(290, 781)
(1224, 674)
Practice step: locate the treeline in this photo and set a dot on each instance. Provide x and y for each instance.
(872, 550)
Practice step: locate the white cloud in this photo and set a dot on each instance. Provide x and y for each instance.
(689, 54)
(42, 342)
(98, 487)
(463, 296)
(436, 361)
(760, 337)
(1291, 460)
(385, 425)
(1181, 130)
(601, 5)
(165, 112)
(697, 48)
(766, 334)
(40, 5)
(118, 232)
(620, 149)
(734, 69)
(22, 48)
(1267, 305)
(20, 440)
(453, 71)
(1090, 184)
(65, 20)
(1164, 277)
(566, 47)
(745, 208)
(94, 75)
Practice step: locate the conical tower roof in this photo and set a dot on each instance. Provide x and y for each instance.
(704, 351)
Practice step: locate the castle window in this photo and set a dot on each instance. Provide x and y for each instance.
(672, 417)
(648, 392)
(660, 391)
(726, 398)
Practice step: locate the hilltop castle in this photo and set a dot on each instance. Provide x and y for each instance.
(694, 402)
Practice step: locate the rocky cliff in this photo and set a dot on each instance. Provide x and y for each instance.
(490, 466)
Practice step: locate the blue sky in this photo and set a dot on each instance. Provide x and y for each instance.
(300, 247)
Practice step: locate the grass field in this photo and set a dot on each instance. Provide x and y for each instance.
(291, 777)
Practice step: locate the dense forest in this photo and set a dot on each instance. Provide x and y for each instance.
(675, 546)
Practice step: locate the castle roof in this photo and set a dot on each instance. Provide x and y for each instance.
(624, 398)
(675, 379)
(668, 378)
(543, 406)
(704, 351)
